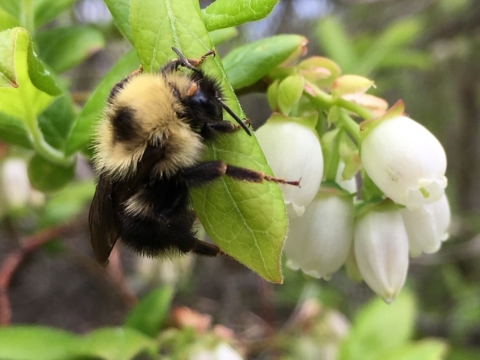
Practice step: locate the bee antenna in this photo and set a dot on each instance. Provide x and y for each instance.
(183, 60)
(237, 119)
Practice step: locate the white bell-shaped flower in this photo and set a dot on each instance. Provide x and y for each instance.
(293, 151)
(405, 161)
(318, 242)
(427, 227)
(381, 251)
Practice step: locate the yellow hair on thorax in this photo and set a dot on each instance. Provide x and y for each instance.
(154, 109)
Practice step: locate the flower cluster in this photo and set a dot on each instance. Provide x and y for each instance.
(401, 209)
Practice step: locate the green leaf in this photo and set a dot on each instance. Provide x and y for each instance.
(20, 66)
(427, 349)
(222, 35)
(245, 220)
(46, 10)
(112, 344)
(379, 327)
(8, 76)
(149, 314)
(46, 176)
(120, 10)
(247, 64)
(34, 343)
(226, 13)
(84, 126)
(56, 121)
(66, 47)
(14, 131)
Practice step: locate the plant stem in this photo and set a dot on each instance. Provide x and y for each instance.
(332, 166)
(45, 149)
(326, 101)
(350, 125)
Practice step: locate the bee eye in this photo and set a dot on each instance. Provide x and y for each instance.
(209, 105)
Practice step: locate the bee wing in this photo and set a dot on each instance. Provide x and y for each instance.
(103, 231)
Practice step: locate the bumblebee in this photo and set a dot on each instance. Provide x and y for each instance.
(148, 154)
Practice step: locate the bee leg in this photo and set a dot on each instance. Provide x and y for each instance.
(207, 172)
(190, 64)
(209, 129)
(206, 249)
(203, 173)
(119, 85)
(250, 175)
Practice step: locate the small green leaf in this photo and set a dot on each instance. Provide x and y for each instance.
(56, 121)
(222, 35)
(46, 10)
(247, 64)
(34, 343)
(84, 126)
(120, 10)
(45, 176)
(272, 95)
(379, 327)
(28, 75)
(149, 314)
(64, 48)
(112, 344)
(13, 131)
(226, 13)
(246, 220)
(7, 59)
(289, 92)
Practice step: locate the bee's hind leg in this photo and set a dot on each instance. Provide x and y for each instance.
(207, 172)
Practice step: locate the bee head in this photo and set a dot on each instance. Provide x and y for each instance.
(203, 102)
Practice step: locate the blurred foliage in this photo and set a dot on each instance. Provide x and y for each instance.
(424, 52)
